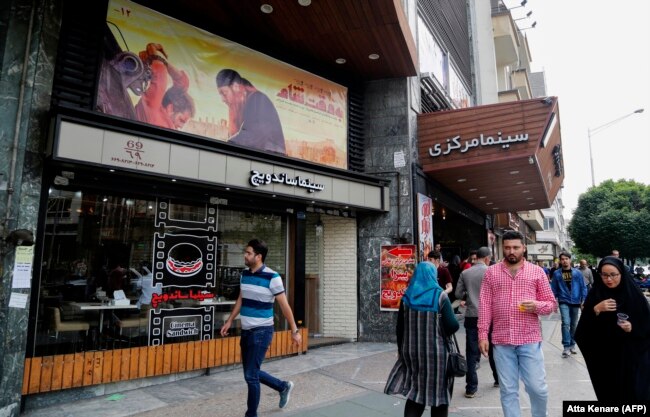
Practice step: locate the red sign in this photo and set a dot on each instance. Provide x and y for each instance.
(397, 266)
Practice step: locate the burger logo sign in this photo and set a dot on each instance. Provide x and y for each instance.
(184, 260)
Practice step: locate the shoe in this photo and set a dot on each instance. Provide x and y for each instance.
(573, 351)
(496, 384)
(478, 365)
(470, 394)
(285, 395)
(565, 353)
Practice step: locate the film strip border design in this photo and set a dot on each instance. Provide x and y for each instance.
(164, 217)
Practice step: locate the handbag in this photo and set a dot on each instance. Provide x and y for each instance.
(456, 362)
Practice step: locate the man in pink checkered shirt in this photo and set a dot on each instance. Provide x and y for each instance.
(514, 293)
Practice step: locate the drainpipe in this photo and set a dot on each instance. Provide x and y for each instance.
(14, 154)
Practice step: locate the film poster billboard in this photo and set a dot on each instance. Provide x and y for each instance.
(425, 226)
(397, 267)
(164, 72)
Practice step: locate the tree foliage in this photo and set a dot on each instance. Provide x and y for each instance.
(613, 215)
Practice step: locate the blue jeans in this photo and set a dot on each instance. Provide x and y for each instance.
(472, 353)
(569, 316)
(254, 343)
(527, 362)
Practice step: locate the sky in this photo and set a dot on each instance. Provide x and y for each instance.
(596, 57)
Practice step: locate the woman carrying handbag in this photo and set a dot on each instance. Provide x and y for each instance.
(420, 373)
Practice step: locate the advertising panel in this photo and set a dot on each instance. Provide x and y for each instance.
(397, 267)
(164, 72)
(425, 228)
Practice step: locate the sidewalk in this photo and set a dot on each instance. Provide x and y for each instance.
(343, 381)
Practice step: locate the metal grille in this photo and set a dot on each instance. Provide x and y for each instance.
(77, 60)
(355, 131)
(448, 20)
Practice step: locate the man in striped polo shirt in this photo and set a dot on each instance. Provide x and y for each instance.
(260, 287)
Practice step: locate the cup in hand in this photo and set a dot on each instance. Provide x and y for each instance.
(621, 318)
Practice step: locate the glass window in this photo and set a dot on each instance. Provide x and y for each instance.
(100, 245)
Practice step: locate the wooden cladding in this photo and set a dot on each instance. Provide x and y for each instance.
(505, 172)
(58, 372)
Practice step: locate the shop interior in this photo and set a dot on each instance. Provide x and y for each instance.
(96, 282)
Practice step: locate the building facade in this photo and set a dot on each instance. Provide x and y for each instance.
(153, 201)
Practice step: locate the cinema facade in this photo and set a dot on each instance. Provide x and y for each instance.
(140, 211)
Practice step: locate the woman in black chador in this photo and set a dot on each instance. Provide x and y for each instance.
(614, 335)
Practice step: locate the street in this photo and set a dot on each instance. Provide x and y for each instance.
(344, 380)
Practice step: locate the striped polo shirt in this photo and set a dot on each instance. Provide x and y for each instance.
(258, 290)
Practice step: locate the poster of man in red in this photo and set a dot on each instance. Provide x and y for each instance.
(397, 266)
(164, 72)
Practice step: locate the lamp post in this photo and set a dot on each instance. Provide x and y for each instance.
(598, 129)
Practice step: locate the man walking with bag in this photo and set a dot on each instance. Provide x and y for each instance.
(469, 288)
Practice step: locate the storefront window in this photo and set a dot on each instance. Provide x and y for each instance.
(99, 248)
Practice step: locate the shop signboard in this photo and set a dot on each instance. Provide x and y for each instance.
(163, 72)
(180, 325)
(397, 267)
(425, 226)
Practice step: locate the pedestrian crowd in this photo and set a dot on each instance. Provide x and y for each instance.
(602, 312)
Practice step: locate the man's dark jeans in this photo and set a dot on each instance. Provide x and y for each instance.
(472, 353)
(254, 343)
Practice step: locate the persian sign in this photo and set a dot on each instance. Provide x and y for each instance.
(397, 266)
(163, 72)
(482, 140)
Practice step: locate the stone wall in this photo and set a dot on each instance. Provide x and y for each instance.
(28, 34)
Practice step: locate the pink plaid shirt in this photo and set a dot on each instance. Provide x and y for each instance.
(499, 304)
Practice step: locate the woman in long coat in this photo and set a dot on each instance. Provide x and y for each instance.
(616, 349)
(425, 317)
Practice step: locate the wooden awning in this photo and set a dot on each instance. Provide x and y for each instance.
(316, 35)
(500, 157)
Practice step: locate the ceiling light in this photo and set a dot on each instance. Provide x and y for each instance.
(514, 172)
(462, 179)
(495, 208)
(529, 198)
(313, 202)
(266, 8)
(531, 204)
(104, 199)
(373, 56)
(531, 160)
(482, 197)
(173, 179)
(227, 188)
(340, 60)
(304, 2)
(521, 182)
(525, 191)
(472, 189)
(274, 195)
(489, 203)
(111, 170)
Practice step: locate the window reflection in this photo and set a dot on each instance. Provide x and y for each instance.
(99, 245)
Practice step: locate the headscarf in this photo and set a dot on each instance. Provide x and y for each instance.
(628, 296)
(423, 291)
(618, 362)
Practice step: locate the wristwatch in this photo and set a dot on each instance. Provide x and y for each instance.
(296, 331)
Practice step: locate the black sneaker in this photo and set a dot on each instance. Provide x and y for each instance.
(470, 394)
(496, 384)
(285, 395)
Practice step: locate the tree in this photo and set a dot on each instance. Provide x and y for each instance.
(613, 215)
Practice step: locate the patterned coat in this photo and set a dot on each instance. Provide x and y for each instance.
(420, 373)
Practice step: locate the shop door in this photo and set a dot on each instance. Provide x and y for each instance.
(314, 275)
